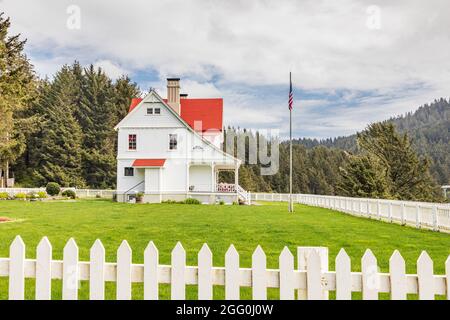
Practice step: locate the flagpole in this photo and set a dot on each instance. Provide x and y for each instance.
(291, 206)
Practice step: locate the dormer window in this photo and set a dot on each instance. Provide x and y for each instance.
(152, 111)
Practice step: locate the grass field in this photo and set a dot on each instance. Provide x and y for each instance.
(269, 225)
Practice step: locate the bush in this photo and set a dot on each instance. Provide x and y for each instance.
(192, 201)
(32, 195)
(221, 202)
(42, 195)
(139, 197)
(20, 196)
(53, 188)
(69, 193)
(4, 195)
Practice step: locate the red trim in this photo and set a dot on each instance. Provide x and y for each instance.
(149, 162)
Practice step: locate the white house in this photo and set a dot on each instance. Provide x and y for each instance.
(170, 149)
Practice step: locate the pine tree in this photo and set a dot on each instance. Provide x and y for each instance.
(96, 115)
(408, 174)
(17, 88)
(57, 147)
(364, 177)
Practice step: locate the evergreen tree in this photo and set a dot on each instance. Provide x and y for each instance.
(409, 176)
(56, 148)
(364, 177)
(17, 88)
(97, 115)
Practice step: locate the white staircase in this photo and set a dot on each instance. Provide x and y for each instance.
(243, 195)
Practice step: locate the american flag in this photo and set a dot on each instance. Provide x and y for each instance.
(291, 95)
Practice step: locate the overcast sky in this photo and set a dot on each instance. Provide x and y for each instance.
(353, 61)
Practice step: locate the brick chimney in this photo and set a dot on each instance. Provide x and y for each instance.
(173, 94)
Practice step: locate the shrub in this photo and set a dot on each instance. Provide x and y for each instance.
(192, 201)
(69, 193)
(42, 194)
(4, 195)
(31, 195)
(98, 196)
(20, 196)
(139, 196)
(221, 202)
(53, 188)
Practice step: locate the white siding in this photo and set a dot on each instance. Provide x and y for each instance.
(152, 180)
(125, 183)
(201, 178)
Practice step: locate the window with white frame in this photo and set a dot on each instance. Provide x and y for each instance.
(132, 142)
(153, 111)
(173, 141)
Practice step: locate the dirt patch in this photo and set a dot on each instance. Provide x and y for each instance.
(5, 219)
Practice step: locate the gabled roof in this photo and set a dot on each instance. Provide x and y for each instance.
(153, 92)
(209, 112)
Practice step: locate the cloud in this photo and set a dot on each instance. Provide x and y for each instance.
(110, 68)
(242, 49)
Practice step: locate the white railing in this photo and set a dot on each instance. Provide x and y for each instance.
(81, 193)
(312, 279)
(435, 216)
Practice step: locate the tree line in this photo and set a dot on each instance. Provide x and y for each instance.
(61, 130)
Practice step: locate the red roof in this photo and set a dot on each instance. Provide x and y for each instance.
(134, 103)
(149, 162)
(209, 112)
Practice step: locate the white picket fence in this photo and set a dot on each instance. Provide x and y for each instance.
(311, 278)
(81, 193)
(435, 216)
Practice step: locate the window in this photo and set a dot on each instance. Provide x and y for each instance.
(129, 171)
(157, 110)
(131, 142)
(149, 110)
(173, 141)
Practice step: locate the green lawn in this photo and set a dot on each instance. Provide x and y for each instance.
(269, 225)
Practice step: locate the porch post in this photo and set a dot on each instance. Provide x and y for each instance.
(213, 178)
(236, 177)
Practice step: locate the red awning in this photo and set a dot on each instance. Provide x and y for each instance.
(149, 162)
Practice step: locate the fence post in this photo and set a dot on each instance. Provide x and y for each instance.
(402, 207)
(398, 276)
(259, 280)
(17, 269)
(232, 290)
(151, 261)
(286, 266)
(378, 209)
(43, 270)
(417, 216)
(370, 278)
(302, 264)
(368, 208)
(435, 219)
(390, 211)
(177, 288)
(70, 271)
(425, 277)
(205, 280)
